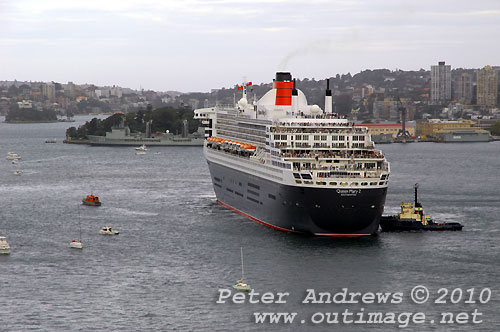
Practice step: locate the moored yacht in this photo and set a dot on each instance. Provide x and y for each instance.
(13, 156)
(106, 230)
(4, 245)
(293, 166)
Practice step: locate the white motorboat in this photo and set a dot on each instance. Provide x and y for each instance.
(106, 230)
(142, 148)
(76, 244)
(241, 285)
(13, 156)
(4, 245)
(18, 172)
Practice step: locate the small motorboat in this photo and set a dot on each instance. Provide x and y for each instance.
(51, 140)
(241, 286)
(13, 156)
(91, 200)
(106, 230)
(77, 244)
(412, 218)
(18, 172)
(142, 148)
(4, 245)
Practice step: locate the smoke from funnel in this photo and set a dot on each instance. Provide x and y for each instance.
(322, 46)
(317, 46)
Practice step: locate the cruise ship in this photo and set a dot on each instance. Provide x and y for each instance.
(292, 166)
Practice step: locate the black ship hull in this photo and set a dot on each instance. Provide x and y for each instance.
(314, 211)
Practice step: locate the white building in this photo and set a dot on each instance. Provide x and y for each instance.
(25, 104)
(440, 83)
(116, 91)
(102, 93)
(49, 91)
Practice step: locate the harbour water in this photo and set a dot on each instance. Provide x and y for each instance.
(177, 246)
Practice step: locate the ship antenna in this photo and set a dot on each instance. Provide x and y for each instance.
(416, 195)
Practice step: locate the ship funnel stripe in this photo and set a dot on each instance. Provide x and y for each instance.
(283, 93)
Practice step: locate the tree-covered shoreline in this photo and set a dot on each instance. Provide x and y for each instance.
(163, 119)
(30, 115)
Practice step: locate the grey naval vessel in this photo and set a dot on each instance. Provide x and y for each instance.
(292, 166)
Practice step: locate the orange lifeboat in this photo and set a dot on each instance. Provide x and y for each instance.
(240, 145)
(91, 200)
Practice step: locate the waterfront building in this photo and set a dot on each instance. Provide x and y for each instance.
(487, 86)
(387, 128)
(25, 104)
(102, 93)
(440, 83)
(116, 91)
(70, 90)
(464, 89)
(49, 91)
(90, 91)
(429, 128)
(386, 109)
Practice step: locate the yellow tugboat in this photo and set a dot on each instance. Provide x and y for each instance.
(412, 218)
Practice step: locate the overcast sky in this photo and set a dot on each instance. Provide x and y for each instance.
(197, 45)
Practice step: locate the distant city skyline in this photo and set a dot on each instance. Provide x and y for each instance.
(199, 45)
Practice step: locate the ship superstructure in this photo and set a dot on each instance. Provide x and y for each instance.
(293, 166)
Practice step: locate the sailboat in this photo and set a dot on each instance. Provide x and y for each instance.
(77, 244)
(240, 284)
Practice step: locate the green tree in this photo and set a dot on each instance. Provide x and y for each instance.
(165, 118)
(495, 129)
(30, 115)
(71, 132)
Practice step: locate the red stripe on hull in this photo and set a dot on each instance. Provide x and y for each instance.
(254, 219)
(341, 235)
(284, 229)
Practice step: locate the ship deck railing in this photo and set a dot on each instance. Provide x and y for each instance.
(332, 115)
(332, 130)
(332, 156)
(344, 171)
(298, 124)
(286, 146)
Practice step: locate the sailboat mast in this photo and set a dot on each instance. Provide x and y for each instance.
(242, 274)
(79, 226)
